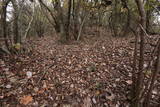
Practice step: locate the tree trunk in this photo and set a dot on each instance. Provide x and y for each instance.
(17, 38)
(4, 23)
(126, 28)
(140, 76)
(114, 20)
(75, 17)
(68, 19)
(61, 22)
(56, 24)
(81, 26)
(154, 77)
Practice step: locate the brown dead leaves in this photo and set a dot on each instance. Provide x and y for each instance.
(26, 99)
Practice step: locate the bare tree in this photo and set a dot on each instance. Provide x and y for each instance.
(136, 102)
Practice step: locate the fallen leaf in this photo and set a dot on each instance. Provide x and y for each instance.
(117, 80)
(13, 79)
(1, 97)
(41, 91)
(94, 100)
(148, 72)
(154, 92)
(6, 69)
(67, 105)
(72, 85)
(129, 82)
(8, 86)
(97, 92)
(87, 102)
(26, 99)
(36, 89)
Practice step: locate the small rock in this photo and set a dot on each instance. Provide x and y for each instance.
(29, 74)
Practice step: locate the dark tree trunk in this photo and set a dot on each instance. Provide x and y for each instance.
(75, 17)
(148, 21)
(68, 19)
(4, 23)
(140, 76)
(126, 28)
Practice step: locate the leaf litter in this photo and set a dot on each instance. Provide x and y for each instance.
(80, 74)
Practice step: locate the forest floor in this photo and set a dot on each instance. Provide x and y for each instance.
(94, 72)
